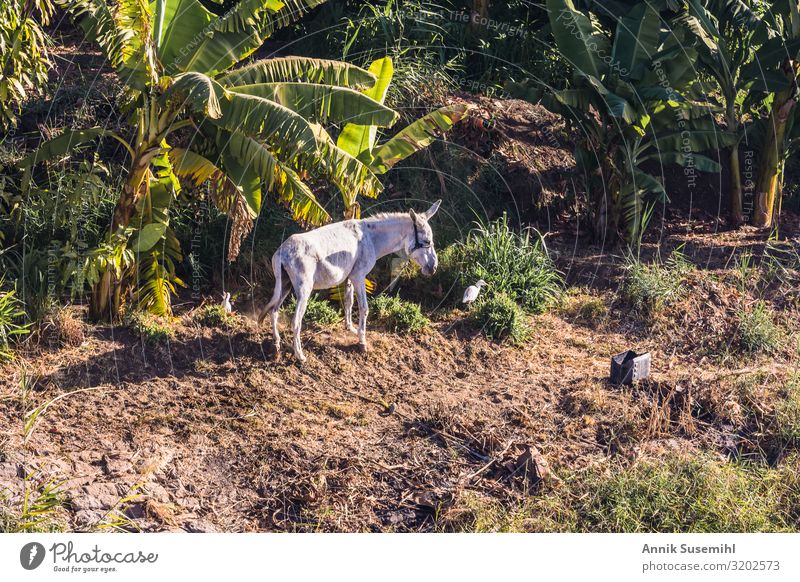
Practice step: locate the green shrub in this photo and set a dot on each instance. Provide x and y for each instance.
(400, 316)
(210, 315)
(318, 311)
(11, 322)
(500, 318)
(514, 264)
(757, 332)
(651, 287)
(153, 329)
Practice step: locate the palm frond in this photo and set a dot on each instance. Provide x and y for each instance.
(299, 69)
(323, 103)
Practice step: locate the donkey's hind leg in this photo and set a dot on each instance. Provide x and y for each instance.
(348, 306)
(303, 294)
(274, 312)
(363, 310)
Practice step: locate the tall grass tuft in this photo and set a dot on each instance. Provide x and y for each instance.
(651, 287)
(12, 323)
(512, 263)
(758, 334)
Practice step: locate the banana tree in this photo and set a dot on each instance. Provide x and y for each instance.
(779, 57)
(629, 100)
(254, 130)
(728, 32)
(359, 140)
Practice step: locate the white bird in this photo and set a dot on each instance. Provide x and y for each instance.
(226, 302)
(471, 293)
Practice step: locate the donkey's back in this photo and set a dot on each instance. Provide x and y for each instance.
(321, 258)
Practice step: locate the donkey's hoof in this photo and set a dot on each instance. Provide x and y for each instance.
(301, 358)
(363, 348)
(352, 329)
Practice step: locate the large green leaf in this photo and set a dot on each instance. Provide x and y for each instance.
(179, 27)
(299, 69)
(358, 140)
(264, 119)
(701, 163)
(616, 105)
(636, 40)
(323, 103)
(277, 177)
(416, 136)
(292, 11)
(147, 237)
(578, 41)
(211, 51)
(243, 175)
(197, 91)
(771, 56)
(192, 166)
(245, 14)
(352, 176)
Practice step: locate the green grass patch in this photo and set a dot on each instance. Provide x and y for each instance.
(37, 508)
(152, 328)
(649, 288)
(12, 323)
(576, 303)
(210, 315)
(677, 493)
(758, 334)
(499, 318)
(398, 315)
(318, 311)
(787, 412)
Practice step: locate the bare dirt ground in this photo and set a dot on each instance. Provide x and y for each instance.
(209, 433)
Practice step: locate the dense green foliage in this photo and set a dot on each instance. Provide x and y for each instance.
(398, 315)
(318, 311)
(499, 318)
(516, 264)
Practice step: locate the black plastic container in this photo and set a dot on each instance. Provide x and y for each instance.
(628, 367)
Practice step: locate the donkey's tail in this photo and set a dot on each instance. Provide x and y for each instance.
(277, 269)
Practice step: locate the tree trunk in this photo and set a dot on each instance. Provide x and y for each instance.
(480, 15)
(769, 170)
(737, 210)
(606, 208)
(106, 296)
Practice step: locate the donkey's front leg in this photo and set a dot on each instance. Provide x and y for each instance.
(303, 293)
(348, 306)
(363, 309)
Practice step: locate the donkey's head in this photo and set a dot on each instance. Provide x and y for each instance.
(419, 245)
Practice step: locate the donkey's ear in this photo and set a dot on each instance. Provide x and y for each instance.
(433, 209)
(414, 215)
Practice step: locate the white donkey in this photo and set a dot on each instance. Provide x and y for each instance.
(346, 251)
